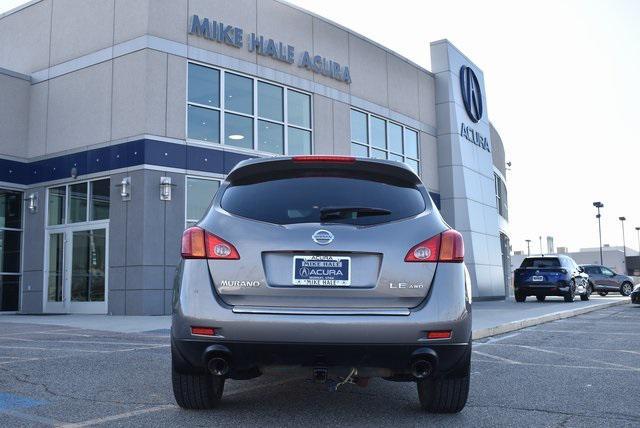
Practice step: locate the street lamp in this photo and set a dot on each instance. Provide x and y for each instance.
(529, 245)
(599, 205)
(638, 231)
(624, 246)
(540, 238)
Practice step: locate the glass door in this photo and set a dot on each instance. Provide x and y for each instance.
(77, 270)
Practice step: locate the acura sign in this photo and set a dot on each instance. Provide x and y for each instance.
(471, 93)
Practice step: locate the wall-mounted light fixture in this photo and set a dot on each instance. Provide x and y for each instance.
(32, 203)
(165, 188)
(125, 188)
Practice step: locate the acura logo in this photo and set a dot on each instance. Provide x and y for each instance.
(322, 237)
(471, 93)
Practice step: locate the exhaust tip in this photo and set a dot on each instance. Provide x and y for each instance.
(218, 366)
(421, 368)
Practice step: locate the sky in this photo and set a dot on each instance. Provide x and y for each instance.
(563, 90)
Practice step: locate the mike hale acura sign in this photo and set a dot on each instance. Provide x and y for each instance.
(234, 36)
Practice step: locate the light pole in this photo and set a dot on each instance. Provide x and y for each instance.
(540, 238)
(599, 205)
(638, 231)
(624, 246)
(529, 245)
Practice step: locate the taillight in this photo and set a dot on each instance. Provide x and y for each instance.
(446, 247)
(197, 243)
(329, 159)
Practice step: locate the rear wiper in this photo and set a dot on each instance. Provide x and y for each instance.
(327, 213)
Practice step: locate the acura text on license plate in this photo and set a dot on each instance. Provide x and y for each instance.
(322, 270)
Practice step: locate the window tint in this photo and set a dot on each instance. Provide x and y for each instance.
(10, 209)
(607, 271)
(100, 199)
(238, 93)
(238, 130)
(270, 137)
(270, 104)
(359, 127)
(539, 262)
(204, 85)
(203, 124)
(299, 141)
(299, 199)
(299, 109)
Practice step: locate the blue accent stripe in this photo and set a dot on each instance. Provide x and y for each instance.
(12, 401)
(124, 155)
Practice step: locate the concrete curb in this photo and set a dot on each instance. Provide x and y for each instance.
(520, 324)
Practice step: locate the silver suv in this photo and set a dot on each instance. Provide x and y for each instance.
(338, 267)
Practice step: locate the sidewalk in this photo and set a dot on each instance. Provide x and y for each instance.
(489, 318)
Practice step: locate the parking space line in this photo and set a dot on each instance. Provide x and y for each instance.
(534, 348)
(91, 351)
(119, 416)
(561, 366)
(130, 414)
(571, 348)
(495, 357)
(579, 332)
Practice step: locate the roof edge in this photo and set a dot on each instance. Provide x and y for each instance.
(19, 8)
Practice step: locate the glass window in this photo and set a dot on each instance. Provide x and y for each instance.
(10, 251)
(299, 109)
(299, 141)
(540, 262)
(238, 130)
(244, 125)
(88, 266)
(270, 102)
(395, 138)
(280, 200)
(203, 124)
(359, 127)
(9, 292)
(378, 132)
(378, 154)
(100, 196)
(270, 137)
(10, 209)
(204, 85)
(359, 150)
(412, 164)
(57, 196)
(238, 93)
(200, 192)
(411, 143)
(78, 202)
(56, 267)
(396, 158)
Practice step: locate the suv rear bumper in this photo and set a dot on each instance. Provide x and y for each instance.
(542, 290)
(245, 358)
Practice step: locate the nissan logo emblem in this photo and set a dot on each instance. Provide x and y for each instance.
(471, 93)
(322, 237)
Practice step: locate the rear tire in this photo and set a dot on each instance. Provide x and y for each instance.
(572, 293)
(603, 293)
(584, 297)
(520, 297)
(197, 391)
(541, 298)
(445, 394)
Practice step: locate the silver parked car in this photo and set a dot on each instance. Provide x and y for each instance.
(338, 267)
(605, 280)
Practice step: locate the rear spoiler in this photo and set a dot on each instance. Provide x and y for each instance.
(276, 165)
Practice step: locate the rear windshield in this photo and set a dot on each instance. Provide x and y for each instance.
(323, 198)
(540, 262)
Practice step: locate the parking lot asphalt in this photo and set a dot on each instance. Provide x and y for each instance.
(582, 371)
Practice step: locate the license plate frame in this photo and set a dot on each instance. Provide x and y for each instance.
(321, 271)
(537, 278)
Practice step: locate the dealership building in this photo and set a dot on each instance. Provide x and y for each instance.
(119, 118)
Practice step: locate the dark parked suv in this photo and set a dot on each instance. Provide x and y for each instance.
(554, 275)
(605, 280)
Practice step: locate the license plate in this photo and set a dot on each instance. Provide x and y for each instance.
(536, 278)
(326, 271)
